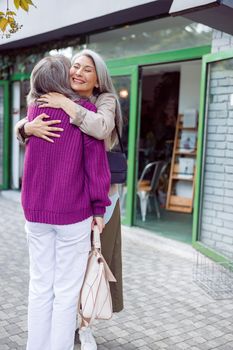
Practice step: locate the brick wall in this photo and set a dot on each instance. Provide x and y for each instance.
(221, 41)
(217, 211)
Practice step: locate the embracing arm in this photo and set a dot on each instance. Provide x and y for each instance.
(101, 124)
(98, 125)
(37, 127)
(18, 130)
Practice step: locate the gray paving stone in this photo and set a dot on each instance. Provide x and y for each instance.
(164, 309)
(228, 346)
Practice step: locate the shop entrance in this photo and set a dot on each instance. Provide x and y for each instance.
(166, 150)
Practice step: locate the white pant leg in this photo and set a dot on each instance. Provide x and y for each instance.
(72, 248)
(41, 241)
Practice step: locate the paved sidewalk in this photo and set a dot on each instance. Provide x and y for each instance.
(163, 308)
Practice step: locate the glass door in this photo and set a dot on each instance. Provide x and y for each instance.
(4, 135)
(125, 80)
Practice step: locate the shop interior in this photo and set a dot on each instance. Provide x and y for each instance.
(167, 148)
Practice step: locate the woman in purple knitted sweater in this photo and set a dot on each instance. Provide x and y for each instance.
(89, 78)
(65, 185)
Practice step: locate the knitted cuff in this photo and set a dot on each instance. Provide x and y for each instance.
(21, 135)
(98, 211)
(79, 117)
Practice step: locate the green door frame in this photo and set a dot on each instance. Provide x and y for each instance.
(130, 66)
(161, 57)
(20, 76)
(207, 59)
(6, 126)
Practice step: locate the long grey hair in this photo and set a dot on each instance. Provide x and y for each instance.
(51, 74)
(105, 85)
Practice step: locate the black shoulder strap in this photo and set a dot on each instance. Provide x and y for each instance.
(119, 138)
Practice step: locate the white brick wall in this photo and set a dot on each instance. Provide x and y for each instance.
(221, 41)
(217, 211)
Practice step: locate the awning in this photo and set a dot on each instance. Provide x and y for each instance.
(217, 14)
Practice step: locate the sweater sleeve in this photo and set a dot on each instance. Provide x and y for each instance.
(101, 124)
(17, 128)
(97, 174)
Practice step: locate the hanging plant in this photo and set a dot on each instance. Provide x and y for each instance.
(8, 23)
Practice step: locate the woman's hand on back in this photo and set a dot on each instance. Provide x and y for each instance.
(56, 100)
(53, 100)
(42, 129)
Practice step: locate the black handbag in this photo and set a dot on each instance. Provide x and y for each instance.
(117, 163)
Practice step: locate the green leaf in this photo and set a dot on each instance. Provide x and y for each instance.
(11, 20)
(10, 13)
(31, 3)
(3, 24)
(2, 14)
(17, 2)
(24, 5)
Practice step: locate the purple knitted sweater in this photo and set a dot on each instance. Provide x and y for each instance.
(67, 181)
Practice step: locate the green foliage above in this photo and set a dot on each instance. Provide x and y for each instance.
(8, 23)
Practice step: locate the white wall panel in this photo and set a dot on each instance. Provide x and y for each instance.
(54, 14)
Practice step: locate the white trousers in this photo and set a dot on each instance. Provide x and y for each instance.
(58, 258)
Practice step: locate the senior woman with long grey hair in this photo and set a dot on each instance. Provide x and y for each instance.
(89, 79)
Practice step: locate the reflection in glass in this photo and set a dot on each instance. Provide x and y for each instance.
(24, 63)
(164, 34)
(122, 86)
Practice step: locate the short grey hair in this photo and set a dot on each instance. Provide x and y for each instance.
(51, 74)
(105, 84)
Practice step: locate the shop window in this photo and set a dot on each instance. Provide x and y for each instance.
(122, 86)
(25, 62)
(165, 34)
